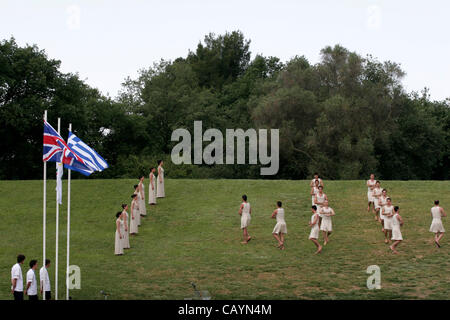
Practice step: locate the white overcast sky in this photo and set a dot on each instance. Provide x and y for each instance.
(106, 41)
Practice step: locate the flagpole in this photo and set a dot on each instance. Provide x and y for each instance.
(44, 216)
(57, 223)
(68, 227)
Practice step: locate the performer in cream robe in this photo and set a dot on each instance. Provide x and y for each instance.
(152, 187)
(118, 245)
(397, 222)
(141, 196)
(370, 186)
(314, 225)
(245, 212)
(126, 238)
(160, 193)
(387, 212)
(280, 228)
(314, 191)
(437, 226)
(137, 205)
(326, 226)
(134, 215)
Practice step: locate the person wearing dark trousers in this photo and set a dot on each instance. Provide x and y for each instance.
(16, 279)
(45, 280)
(31, 289)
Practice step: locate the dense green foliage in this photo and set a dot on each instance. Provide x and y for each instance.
(344, 117)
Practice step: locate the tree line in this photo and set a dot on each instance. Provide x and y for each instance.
(345, 116)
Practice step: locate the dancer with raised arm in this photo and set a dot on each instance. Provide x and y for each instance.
(280, 228)
(397, 222)
(314, 224)
(152, 187)
(326, 225)
(245, 212)
(437, 227)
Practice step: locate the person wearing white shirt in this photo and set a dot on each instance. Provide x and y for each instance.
(45, 281)
(31, 289)
(16, 279)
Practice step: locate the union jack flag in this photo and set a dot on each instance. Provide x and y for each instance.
(56, 149)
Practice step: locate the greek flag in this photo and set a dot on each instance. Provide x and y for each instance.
(92, 160)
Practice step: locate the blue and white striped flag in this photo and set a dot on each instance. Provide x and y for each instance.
(92, 160)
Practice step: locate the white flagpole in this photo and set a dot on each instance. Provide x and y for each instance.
(44, 213)
(68, 228)
(57, 227)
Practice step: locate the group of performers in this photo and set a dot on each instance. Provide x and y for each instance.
(320, 219)
(280, 229)
(321, 214)
(125, 226)
(384, 211)
(390, 219)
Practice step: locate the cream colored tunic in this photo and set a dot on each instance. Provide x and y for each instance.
(396, 233)
(126, 237)
(314, 234)
(376, 193)
(118, 247)
(280, 227)
(382, 200)
(142, 206)
(152, 192)
(134, 223)
(388, 220)
(321, 199)
(369, 190)
(315, 191)
(326, 224)
(160, 189)
(436, 223)
(245, 217)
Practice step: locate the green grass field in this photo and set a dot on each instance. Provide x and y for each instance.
(193, 235)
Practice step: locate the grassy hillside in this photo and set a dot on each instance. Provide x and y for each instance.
(193, 235)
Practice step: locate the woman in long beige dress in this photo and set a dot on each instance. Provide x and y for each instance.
(118, 246)
(142, 206)
(152, 187)
(160, 190)
(126, 238)
(137, 205)
(134, 215)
